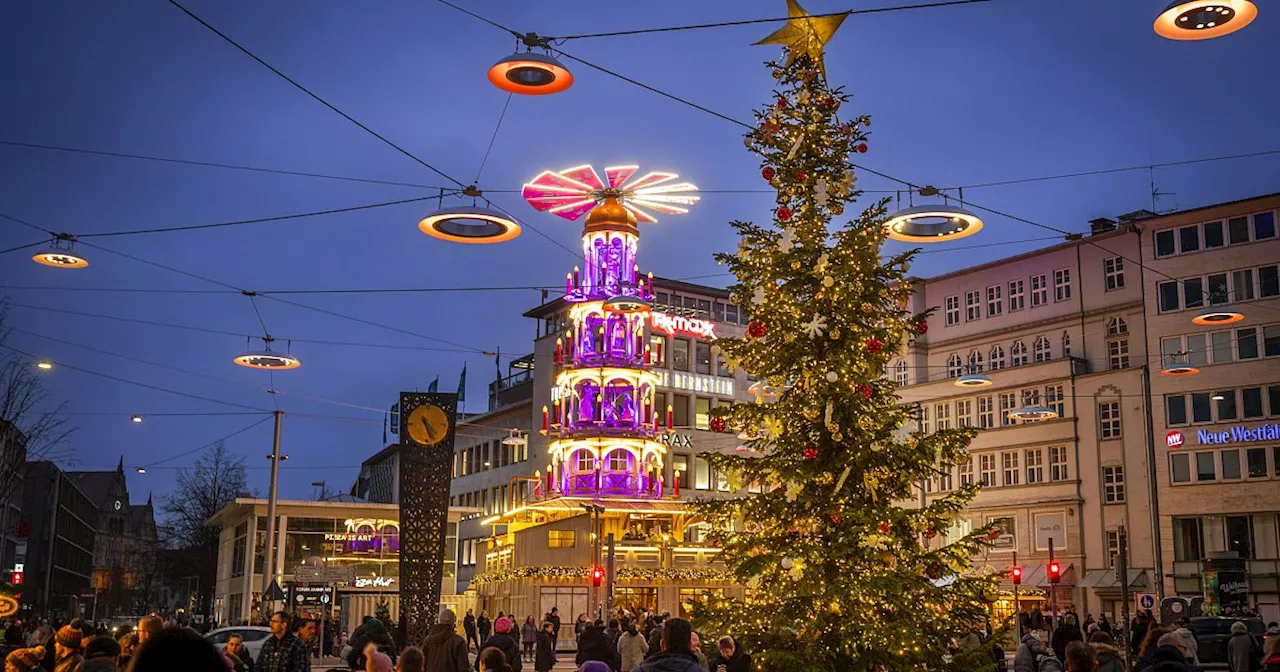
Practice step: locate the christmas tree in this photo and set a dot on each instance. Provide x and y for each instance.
(843, 571)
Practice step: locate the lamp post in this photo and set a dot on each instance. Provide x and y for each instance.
(593, 511)
(269, 559)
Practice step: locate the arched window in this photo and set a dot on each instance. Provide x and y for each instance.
(619, 460)
(955, 368)
(1066, 344)
(1116, 326)
(585, 462)
(1018, 354)
(1042, 350)
(975, 362)
(900, 373)
(996, 356)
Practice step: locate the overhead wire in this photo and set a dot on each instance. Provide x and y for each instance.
(1108, 171)
(27, 224)
(24, 247)
(207, 445)
(496, 128)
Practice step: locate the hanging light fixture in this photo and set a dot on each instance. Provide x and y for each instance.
(627, 305)
(1204, 19)
(515, 438)
(472, 224)
(142, 470)
(1179, 369)
(1033, 413)
(1218, 315)
(136, 419)
(44, 365)
(973, 380)
(531, 74)
(60, 255)
(932, 223)
(266, 359)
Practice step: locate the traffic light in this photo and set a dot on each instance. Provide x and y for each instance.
(1055, 572)
(1016, 573)
(597, 576)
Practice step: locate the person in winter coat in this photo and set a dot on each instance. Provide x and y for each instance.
(1242, 651)
(66, 645)
(1110, 658)
(1148, 646)
(469, 626)
(676, 654)
(24, 660)
(1169, 656)
(1067, 631)
(528, 638)
(554, 617)
(631, 648)
(1271, 659)
(504, 642)
(1189, 644)
(593, 644)
(483, 627)
(372, 631)
(544, 658)
(445, 650)
(1033, 657)
(729, 658)
(1080, 658)
(492, 660)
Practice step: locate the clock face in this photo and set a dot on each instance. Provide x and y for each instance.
(428, 424)
(117, 505)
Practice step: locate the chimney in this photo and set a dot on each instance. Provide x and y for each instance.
(1101, 225)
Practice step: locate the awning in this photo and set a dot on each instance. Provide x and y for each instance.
(1103, 579)
(1038, 578)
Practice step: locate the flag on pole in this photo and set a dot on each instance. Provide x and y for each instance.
(497, 366)
(435, 385)
(462, 387)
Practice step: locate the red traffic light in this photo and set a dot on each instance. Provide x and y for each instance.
(1055, 572)
(1016, 573)
(597, 576)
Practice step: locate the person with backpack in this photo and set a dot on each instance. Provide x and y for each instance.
(1032, 656)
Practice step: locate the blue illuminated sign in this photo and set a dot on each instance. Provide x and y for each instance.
(1239, 434)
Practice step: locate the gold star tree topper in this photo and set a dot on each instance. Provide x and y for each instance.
(805, 34)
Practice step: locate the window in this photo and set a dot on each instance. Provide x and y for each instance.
(680, 354)
(1271, 340)
(1240, 536)
(1066, 344)
(680, 470)
(1116, 326)
(1218, 289)
(1256, 460)
(701, 473)
(994, 305)
(924, 418)
(722, 366)
(701, 413)
(1175, 410)
(1030, 398)
(1242, 285)
(997, 358)
(1269, 281)
(1017, 295)
(987, 470)
(975, 361)
(1009, 464)
(1062, 284)
(966, 472)
(1247, 343)
(1252, 406)
(953, 310)
(1167, 293)
(901, 374)
(944, 482)
(964, 413)
(1041, 349)
(1180, 468)
(1238, 230)
(1008, 402)
(680, 410)
(1166, 243)
(1188, 239)
(1264, 225)
(561, 539)
(972, 306)
(1213, 235)
(1273, 399)
(955, 368)
(1206, 467)
(943, 413)
(1118, 354)
(1113, 273)
(987, 412)
(1113, 485)
(1226, 404)
(702, 358)
(658, 350)
(1109, 419)
(704, 309)
(1188, 539)
(1192, 293)
(1113, 548)
(1057, 463)
(731, 313)
(1018, 354)
(1055, 398)
(1039, 291)
(1035, 466)
(1221, 349)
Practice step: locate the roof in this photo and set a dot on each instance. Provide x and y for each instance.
(96, 485)
(558, 304)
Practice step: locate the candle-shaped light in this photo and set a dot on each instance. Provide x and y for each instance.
(568, 283)
(670, 411)
(545, 419)
(559, 351)
(648, 355)
(576, 277)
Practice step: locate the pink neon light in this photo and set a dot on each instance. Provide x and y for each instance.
(572, 192)
(618, 175)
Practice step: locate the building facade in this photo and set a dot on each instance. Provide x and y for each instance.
(59, 560)
(125, 544)
(13, 533)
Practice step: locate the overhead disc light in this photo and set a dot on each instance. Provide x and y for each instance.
(1179, 369)
(1033, 413)
(60, 254)
(470, 224)
(973, 380)
(932, 224)
(515, 438)
(267, 359)
(44, 365)
(627, 305)
(1218, 315)
(1204, 19)
(136, 419)
(530, 74)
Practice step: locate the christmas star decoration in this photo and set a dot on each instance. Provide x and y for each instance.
(787, 240)
(814, 328)
(805, 34)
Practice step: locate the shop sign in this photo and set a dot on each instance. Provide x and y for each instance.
(311, 596)
(349, 536)
(1051, 527)
(374, 581)
(1239, 434)
(676, 440)
(1174, 439)
(677, 324)
(695, 382)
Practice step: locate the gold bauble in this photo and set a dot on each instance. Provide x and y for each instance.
(795, 265)
(834, 334)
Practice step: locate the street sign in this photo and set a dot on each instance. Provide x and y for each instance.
(273, 592)
(310, 596)
(1146, 601)
(327, 575)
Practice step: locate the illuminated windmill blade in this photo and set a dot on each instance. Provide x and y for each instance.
(651, 179)
(665, 189)
(584, 175)
(617, 175)
(666, 198)
(641, 216)
(660, 207)
(572, 192)
(572, 211)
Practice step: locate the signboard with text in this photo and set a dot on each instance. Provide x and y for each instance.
(1051, 526)
(1238, 434)
(678, 324)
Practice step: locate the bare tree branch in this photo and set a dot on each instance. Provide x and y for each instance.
(24, 407)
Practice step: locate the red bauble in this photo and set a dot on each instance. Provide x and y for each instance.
(885, 528)
(809, 76)
(836, 519)
(866, 122)
(931, 532)
(874, 345)
(767, 173)
(810, 453)
(756, 329)
(832, 101)
(933, 571)
(801, 176)
(782, 103)
(921, 328)
(864, 391)
(851, 129)
(718, 424)
(784, 213)
(769, 128)
(862, 148)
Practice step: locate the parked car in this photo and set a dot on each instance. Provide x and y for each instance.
(1212, 634)
(254, 637)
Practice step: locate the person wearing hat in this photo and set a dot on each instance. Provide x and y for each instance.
(503, 641)
(66, 648)
(445, 650)
(24, 660)
(1243, 653)
(372, 630)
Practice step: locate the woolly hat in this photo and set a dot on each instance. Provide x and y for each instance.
(25, 659)
(1239, 627)
(447, 617)
(69, 636)
(378, 662)
(502, 625)
(594, 666)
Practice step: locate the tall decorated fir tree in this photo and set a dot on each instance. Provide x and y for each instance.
(845, 571)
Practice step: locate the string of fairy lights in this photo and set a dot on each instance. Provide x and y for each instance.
(537, 71)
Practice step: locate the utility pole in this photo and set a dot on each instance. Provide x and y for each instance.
(1053, 594)
(1017, 607)
(610, 566)
(269, 561)
(1123, 571)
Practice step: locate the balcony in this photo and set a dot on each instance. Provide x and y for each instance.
(512, 389)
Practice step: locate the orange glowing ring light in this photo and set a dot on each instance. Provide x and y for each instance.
(266, 359)
(932, 224)
(973, 380)
(1204, 19)
(1215, 316)
(530, 74)
(1032, 414)
(59, 258)
(627, 305)
(1174, 370)
(8, 606)
(470, 224)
